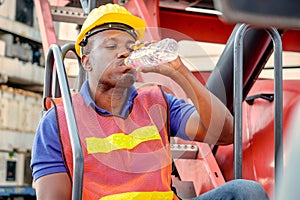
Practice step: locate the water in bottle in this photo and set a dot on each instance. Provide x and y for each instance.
(155, 54)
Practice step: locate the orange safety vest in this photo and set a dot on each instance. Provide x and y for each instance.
(124, 158)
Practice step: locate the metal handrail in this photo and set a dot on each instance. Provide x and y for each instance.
(55, 56)
(82, 76)
(238, 96)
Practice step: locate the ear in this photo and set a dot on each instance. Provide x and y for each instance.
(85, 61)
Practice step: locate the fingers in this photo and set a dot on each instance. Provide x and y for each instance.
(160, 69)
(139, 44)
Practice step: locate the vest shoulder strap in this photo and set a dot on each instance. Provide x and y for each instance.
(50, 101)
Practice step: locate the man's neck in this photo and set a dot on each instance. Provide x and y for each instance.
(111, 99)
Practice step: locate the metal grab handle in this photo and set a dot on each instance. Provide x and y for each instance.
(268, 97)
(238, 96)
(82, 75)
(55, 56)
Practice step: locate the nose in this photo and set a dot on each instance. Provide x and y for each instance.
(123, 54)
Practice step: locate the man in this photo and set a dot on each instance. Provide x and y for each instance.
(124, 131)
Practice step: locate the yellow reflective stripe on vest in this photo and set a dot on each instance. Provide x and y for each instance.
(122, 141)
(141, 196)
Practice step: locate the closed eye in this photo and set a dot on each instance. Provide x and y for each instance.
(111, 46)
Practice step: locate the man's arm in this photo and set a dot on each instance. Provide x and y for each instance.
(49, 172)
(53, 186)
(212, 122)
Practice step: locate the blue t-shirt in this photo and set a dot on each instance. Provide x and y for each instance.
(46, 151)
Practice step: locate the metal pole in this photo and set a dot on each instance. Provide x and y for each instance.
(278, 121)
(71, 122)
(238, 99)
(238, 95)
(85, 6)
(92, 5)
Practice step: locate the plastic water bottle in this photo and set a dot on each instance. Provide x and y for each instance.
(155, 54)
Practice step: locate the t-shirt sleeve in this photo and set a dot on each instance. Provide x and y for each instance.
(180, 111)
(46, 155)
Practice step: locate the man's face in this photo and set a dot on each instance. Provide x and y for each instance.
(106, 59)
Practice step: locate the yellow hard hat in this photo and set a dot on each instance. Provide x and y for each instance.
(110, 13)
